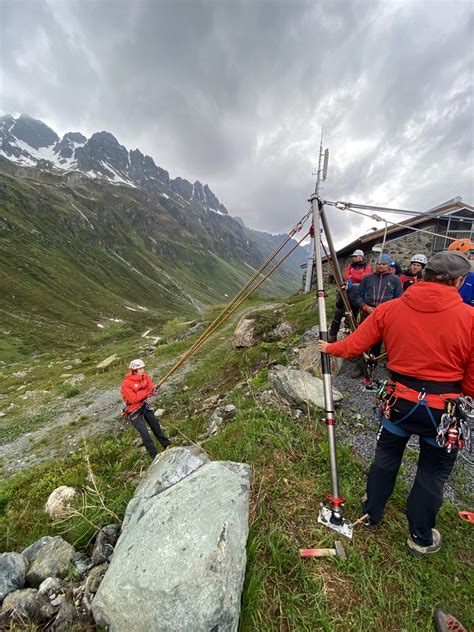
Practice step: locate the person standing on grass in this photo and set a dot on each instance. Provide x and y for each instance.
(429, 337)
(136, 388)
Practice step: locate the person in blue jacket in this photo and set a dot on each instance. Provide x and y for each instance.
(466, 247)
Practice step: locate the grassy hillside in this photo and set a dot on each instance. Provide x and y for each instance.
(378, 588)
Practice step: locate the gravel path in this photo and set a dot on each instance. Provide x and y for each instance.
(357, 425)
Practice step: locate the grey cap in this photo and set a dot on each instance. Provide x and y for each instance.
(448, 265)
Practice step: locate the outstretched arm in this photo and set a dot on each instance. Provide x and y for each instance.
(367, 334)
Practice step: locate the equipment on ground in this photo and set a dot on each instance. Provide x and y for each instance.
(468, 516)
(337, 551)
(454, 427)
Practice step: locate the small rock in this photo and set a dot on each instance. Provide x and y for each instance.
(310, 336)
(59, 501)
(65, 618)
(104, 543)
(12, 573)
(27, 606)
(50, 586)
(95, 578)
(159, 412)
(283, 331)
(48, 557)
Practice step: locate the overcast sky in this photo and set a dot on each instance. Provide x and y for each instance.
(233, 93)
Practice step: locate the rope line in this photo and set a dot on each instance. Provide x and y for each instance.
(224, 314)
(343, 206)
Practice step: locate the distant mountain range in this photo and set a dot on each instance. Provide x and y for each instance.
(31, 143)
(88, 229)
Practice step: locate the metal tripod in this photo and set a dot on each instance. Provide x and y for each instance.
(331, 516)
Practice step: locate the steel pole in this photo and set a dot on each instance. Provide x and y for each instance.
(309, 267)
(335, 499)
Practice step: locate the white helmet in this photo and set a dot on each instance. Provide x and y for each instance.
(419, 259)
(136, 364)
(357, 253)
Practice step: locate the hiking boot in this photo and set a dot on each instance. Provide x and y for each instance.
(369, 525)
(419, 551)
(446, 622)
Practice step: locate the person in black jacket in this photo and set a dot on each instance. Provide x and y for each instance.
(376, 288)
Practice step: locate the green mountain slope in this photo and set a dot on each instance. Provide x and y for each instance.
(81, 257)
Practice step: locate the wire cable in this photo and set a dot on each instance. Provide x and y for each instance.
(342, 206)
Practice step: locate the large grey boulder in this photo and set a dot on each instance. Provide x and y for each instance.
(165, 471)
(12, 573)
(179, 564)
(299, 387)
(48, 557)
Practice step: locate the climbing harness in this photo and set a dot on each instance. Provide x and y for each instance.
(453, 429)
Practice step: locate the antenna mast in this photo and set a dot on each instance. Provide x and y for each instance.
(321, 175)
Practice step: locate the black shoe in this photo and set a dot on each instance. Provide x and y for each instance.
(332, 338)
(369, 525)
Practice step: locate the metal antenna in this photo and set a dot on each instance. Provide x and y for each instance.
(321, 175)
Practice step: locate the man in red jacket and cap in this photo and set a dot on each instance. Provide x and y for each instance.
(429, 337)
(136, 389)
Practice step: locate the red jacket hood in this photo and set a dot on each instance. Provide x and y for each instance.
(130, 377)
(431, 297)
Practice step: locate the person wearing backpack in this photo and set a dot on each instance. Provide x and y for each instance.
(136, 388)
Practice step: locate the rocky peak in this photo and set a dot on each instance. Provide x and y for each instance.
(182, 187)
(104, 155)
(143, 169)
(33, 132)
(66, 147)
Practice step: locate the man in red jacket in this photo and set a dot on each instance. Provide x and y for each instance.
(429, 337)
(354, 272)
(136, 388)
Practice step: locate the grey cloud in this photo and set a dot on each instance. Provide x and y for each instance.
(234, 92)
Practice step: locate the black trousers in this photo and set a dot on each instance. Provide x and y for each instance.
(339, 313)
(139, 420)
(434, 467)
